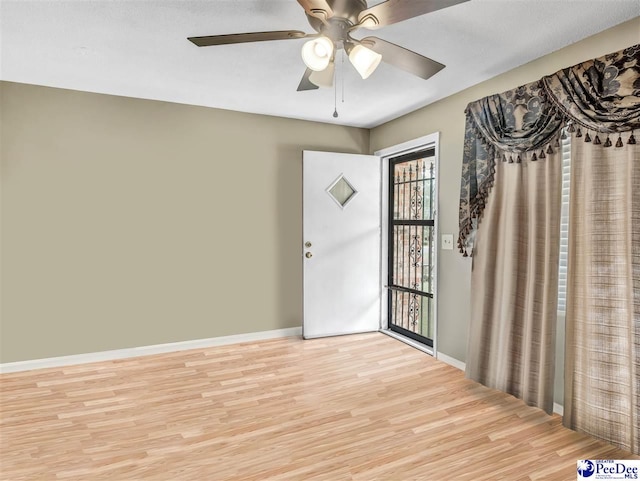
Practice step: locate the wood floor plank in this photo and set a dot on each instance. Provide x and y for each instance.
(363, 407)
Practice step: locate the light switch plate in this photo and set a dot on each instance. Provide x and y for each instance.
(447, 242)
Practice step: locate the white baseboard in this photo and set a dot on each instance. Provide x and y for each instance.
(452, 361)
(558, 409)
(146, 350)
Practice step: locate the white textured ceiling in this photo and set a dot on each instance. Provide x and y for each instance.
(138, 48)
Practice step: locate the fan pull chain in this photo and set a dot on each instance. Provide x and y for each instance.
(335, 100)
(335, 93)
(342, 74)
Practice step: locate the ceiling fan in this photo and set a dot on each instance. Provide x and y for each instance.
(334, 21)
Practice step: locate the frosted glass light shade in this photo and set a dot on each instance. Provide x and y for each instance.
(324, 78)
(317, 53)
(364, 60)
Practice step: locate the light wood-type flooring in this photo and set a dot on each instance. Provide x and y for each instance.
(363, 407)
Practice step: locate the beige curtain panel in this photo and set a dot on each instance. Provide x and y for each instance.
(515, 280)
(602, 389)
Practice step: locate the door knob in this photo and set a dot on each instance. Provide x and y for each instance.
(308, 255)
(307, 244)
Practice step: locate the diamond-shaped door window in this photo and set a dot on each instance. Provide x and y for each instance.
(341, 191)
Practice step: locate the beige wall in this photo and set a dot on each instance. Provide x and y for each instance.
(447, 117)
(128, 222)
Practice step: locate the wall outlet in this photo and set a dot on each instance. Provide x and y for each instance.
(447, 242)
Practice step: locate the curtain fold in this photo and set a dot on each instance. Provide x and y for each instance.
(514, 301)
(602, 388)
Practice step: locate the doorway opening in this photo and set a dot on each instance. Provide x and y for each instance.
(369, 243)
(411, 245)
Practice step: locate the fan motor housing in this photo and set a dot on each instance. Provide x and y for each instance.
(344, 11)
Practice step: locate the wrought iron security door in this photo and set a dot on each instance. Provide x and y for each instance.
(412, 245)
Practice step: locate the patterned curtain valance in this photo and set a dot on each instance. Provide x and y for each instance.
(524, 124)
(603, 94)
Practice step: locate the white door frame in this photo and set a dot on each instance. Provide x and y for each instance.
(422, 143)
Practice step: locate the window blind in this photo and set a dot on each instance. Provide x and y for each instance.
(564, 225)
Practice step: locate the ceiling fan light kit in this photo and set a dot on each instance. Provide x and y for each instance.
(364, 60)
(323, 78)
(335, 21)
(317, 53)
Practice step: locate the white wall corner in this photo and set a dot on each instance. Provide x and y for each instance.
(452, 361)
(147, 350)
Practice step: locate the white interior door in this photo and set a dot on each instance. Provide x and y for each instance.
(341, 236)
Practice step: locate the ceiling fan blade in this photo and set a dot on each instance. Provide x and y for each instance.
(246, 37)
(317, 8)
(402, 58)
(305, 83)
(394, 11)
